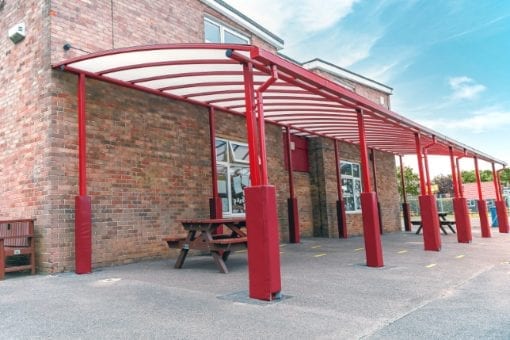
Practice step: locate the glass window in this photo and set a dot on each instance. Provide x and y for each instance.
(239, 152)
(215, 32)
(351, 185)
(233, 175)
(212, 32)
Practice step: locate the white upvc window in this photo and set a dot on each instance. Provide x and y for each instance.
(214, 32)
(351, 185)
(233, 167)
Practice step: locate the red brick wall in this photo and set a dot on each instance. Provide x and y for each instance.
(26, 189)
(324, 188)
(147, 164)
(88, 24)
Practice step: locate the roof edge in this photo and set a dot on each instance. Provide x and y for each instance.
(318, 63)
(233, 14)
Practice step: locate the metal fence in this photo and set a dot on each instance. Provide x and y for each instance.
(445, 204)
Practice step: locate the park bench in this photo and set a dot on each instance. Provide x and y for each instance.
(16, 238)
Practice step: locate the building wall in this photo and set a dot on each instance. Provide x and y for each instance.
(95, 25)
(147, 164)
(324, 188)
(26, 185)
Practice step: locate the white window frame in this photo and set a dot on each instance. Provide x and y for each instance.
(223, 28)
(228, 164)
(354, 179)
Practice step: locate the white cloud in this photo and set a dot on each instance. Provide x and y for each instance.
(306, 15)
(480, 121)
(465, 87)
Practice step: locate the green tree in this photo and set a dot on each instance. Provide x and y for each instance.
(412, 181)
(444, 184)
(470, 176)
(505, 177)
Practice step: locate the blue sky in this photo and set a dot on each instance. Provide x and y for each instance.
(448, 61)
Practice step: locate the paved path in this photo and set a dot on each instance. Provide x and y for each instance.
(461, 292)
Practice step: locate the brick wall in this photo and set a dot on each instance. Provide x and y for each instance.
(147, 164)
(324, 188)
(25, 116)
(88, 25)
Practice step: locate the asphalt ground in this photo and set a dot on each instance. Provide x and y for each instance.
(461, 292)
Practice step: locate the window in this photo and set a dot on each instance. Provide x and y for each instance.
(233, 175)
(217, 33)
(351, 185)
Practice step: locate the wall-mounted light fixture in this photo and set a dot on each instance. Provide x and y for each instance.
(17, 32)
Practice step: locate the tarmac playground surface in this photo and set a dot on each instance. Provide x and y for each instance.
(461, 292)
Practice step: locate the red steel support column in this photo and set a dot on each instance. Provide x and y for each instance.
(261, 137)
(215, 206)
(83, 207)
(462, 220)
(482, 205)
(340, 206)
(261, 214)
(405, 206)
(428, 208)
(294, 235)
(374, 175)
(459, 177)
(500, 205)
(371, 229)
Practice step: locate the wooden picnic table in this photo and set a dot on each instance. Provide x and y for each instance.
(443, 222)
(201, 236)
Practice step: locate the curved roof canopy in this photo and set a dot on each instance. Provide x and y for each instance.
(212, 75)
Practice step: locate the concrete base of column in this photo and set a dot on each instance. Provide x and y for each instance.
(484, 218)
(502, 217)
(371, 230)
(263, 239)
(293, 213)
(462, 220)
(83, 235)
(430, 223)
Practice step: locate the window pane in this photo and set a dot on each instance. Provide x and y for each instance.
(239, 179)
(239, 153)
(346, 168)
(355, 170)
(349, 204)
(231, 38)
(211, 32)
(347, 189)
(221, 151)
(223, 187)
(357, 194)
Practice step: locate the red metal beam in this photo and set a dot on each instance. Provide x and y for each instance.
(261, 138)
(251, 125)
(423, 187)
(496, 184)
(340, 208)
(454, 174)
(365, 175)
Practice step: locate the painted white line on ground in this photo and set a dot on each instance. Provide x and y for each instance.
(319, 255)
(432, 265)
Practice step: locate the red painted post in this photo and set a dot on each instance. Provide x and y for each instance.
(215, 206)
(340, 206)
(427, 173)
(83, 206)
(374, 175)
(251, 124)
(428, 208)
(261, 136)
(500, 205)
(293, 213)
(459, 178)
(261, 212)
(405, 206)
(371, 230)
(462, 220)
(482, 205)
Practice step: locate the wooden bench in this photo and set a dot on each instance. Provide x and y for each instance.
(442, 223)
(16, 238)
